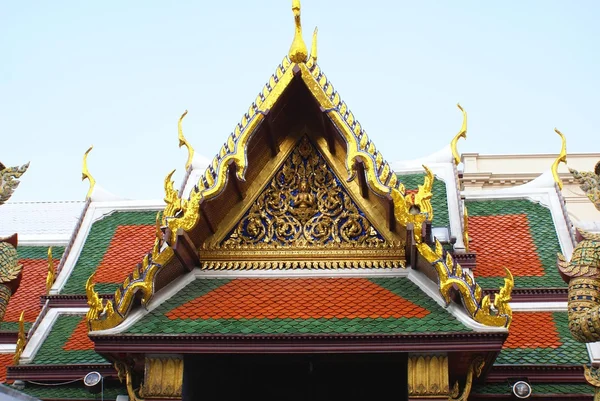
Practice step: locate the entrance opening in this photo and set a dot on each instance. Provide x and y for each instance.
(295, 377)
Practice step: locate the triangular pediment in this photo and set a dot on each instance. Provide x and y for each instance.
(303, 217)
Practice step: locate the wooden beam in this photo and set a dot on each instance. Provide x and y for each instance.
(268, 127)
(362, 180)
(206, 218)
(234, 181)
(185, 250)
(327, 130)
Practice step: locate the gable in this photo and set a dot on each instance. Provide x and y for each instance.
(303, 214)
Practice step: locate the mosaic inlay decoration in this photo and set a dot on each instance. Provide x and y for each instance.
(306, 205)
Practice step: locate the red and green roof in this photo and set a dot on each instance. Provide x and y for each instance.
(538, 389)
(33, 285)
(113, 247)
(74, 391)
(541, 338)
(5, 361)
(518, 234)
(298, 306)
(68, 343)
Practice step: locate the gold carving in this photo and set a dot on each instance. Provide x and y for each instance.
(124, 374)
(94, 301)
(589, 182)
(9, 181)
(304, 205)
(21, 339)
(475, 368)
(451, 276)
(85, 174)
(422, 199)
(50, 277)
(562, 157)
(298, 51)
(163, 378)
(184, 142)
(428, 376)
(461, 134)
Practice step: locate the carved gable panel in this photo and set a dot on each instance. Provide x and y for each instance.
(303, 218)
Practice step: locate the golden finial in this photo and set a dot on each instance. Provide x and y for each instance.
(313, 48)
(85, 173)
(562, 157)
(94, 302)
(298, 51)
(184, 142)
(424, 194)
(20, 339)
(461, 134)
(51, 275)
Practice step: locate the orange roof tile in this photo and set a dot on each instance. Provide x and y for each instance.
(33, 284)
(79, 339)
(127, 248)
(296, 298)
(533, 330)
(5, 361)
(504, 241)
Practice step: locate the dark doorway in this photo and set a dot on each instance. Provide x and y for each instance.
(295, 377)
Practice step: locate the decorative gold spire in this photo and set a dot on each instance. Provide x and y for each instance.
(184, 142)
(20, 339)
(461, 134)
(562, 157)
(298, 51)
(51, 274)
(85, 173)
(313, 48)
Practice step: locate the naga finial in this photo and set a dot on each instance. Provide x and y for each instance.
(51, 274)
(21, 339)
(562, 157)
(313, 48)
(184, 142)
(298, 51)
(85, 174)
(461, 134)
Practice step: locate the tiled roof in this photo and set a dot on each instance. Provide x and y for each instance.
(40, 220)
(541, 338)
(298, 306)
(114, 246)
(5, 361)
(518, 234)
(74, 391)
(33, 284)
(439, 201)
(66, 344)
(536, 388)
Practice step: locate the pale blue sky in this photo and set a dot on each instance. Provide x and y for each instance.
(118, 74)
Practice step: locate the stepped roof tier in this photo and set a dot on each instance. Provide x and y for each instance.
(296, 254)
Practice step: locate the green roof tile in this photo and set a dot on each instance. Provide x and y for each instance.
(73, 391)
(96, 245)
(542, 232)
(52, 352)
(537, 388)
(437, 319)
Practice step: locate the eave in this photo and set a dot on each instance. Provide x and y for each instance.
(328, 343)
(58, 372)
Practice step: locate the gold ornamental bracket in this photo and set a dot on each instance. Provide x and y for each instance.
(475, 369)
(461, 134)
(562, 158)
(184, 142)
(51, 276)
(85, 174)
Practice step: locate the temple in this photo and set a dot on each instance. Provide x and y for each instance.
(299, 265)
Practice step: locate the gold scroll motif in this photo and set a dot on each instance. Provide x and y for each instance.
(163, 378)
(475, 369)
(461, 134)
(304, 205)
(428, 376)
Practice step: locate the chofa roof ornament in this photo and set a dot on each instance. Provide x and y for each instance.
(461, 134)
(562, 158)
(85, 174)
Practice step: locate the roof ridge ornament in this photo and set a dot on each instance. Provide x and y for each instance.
(298, 51)
(51, 276)
(184, 142)
(461, 134)
(562, 157)
(85, 174)
(21, 339)
(312, 60)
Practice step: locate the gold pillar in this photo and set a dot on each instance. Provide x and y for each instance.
(163, 377)
(428, 377)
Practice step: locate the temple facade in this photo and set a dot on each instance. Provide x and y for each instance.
(299, 265)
